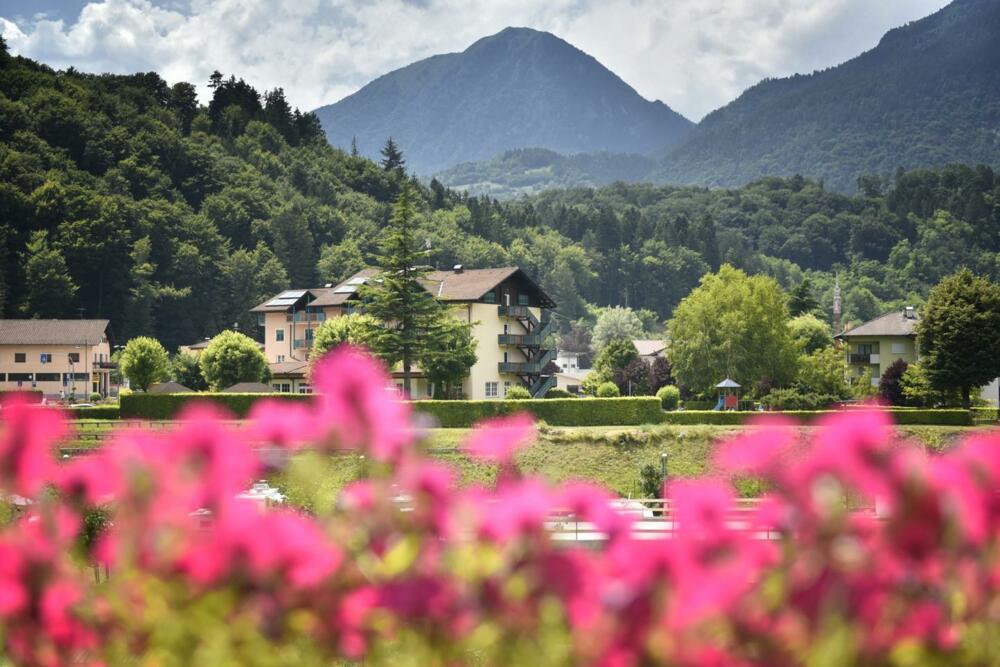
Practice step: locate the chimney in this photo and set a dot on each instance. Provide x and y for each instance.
(328, 285)
(909, 313)
(457, 268)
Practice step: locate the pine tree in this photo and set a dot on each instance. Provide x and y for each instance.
(397, 298)
(49, 286)
(146, 293)
(392, 157)
(801, 300)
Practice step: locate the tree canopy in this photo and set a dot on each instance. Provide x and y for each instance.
(231, 358)
(144, 361)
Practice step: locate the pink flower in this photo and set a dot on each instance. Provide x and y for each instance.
(498, 440)
(759, 450)
(358, 406)
(27, 435)
(285, 423)
(594, 504)
(515, 510)
(94, 479)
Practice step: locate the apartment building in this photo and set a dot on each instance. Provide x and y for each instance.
(873, 346)
(510, 317)
(60, 358)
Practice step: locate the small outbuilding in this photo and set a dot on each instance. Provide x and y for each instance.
(168, 388)
(729, 395)
(248, 388)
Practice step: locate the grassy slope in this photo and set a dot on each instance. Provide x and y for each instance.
(610, 456)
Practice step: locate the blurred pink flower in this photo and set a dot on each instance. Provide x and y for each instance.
(27, 435)
(498, 440)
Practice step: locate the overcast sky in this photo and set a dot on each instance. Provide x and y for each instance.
(695, 55)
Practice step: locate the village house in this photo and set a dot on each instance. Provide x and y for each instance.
(510, 317)
(873, 346)
(60, 358)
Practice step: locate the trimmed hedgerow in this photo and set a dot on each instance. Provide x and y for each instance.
(167, 406)
(901, 417)
(94, 412)
(554, 411)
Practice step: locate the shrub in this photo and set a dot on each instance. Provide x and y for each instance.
(903, 417)
(517, 394)
(95, 412)
(669, 396)
(558, 393)
(555, 412)
(797, 399)
(168, 406)
(890, 387)
(231, 358)
(95, 397)
(607, 390)
(144, 361)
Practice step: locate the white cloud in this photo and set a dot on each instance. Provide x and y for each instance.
(695, 55)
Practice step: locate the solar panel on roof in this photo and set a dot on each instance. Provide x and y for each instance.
(290, 294)
(357, 281)
(281, 302)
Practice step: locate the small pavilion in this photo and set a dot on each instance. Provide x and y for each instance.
(729, 395)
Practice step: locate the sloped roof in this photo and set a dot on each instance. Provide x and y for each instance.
(284, 368)
(341, 292)
(168, 388)
(728, 384)
(52, 332)
(648, 347)
(248, 388)
(895, 323)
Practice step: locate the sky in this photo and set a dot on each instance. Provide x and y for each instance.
(694, 55)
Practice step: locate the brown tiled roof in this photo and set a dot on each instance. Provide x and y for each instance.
(52, 332)
(168, 388)
(895, 323)
(468, 284)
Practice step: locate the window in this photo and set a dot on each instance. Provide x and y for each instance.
(506, 329)
(492, 389)
(283, 387)
(45, 357)
(281, 358)
(430, 390)
(875, 373)
(490, 297)
(3, 377)
(309, 334)
(19, 377)
(505, 357)
(74, 357)
(20, 357)
(279, 335)
(506, 388)
(305, 389)
(522, 300)
(47, 377)
(899, 348)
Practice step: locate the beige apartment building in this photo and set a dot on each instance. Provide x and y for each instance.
(873, 346)
(60, 358)
(510, 317)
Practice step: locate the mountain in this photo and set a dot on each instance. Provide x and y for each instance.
(526, 171)
(927, 95)
(519, 88)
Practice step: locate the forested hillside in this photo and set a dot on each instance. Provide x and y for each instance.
(122, 197)
(519, 88)
(927, 95)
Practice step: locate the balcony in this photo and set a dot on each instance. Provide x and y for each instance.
(107, 365)
(520, 367)
(520, 340)
(856, 358)
(306, 317)
(302, 344)
(520, 312)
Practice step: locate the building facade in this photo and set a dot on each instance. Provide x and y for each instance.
(873, 346)
(509, 314)
(60, 358)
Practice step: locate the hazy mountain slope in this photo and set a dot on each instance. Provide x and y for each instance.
(928, 94)
(519, 88)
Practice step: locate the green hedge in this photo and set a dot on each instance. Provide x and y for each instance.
(910, 417)
(94, 412)
(554, 411)
(167, 406)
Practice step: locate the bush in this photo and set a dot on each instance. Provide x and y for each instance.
(902, 417)
(559, 393)
(890, 387)
(797, 399)
(95, 397)
(555, 412)
(167, 406)
(608, 390)
(669, 396)
(517, 394)
(95, 412)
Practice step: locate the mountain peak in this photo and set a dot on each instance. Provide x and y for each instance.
(518, 88)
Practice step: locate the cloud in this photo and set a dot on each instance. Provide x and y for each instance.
(695, 55)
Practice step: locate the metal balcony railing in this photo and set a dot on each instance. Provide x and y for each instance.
(856, 358)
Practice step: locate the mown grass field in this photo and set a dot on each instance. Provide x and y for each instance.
(610, 456)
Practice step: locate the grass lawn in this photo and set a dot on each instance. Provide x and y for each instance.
(611, 456)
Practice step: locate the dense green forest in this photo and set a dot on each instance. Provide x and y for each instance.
(122, 197)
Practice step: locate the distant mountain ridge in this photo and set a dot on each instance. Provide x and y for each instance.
(927, 95)
(520, 88)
